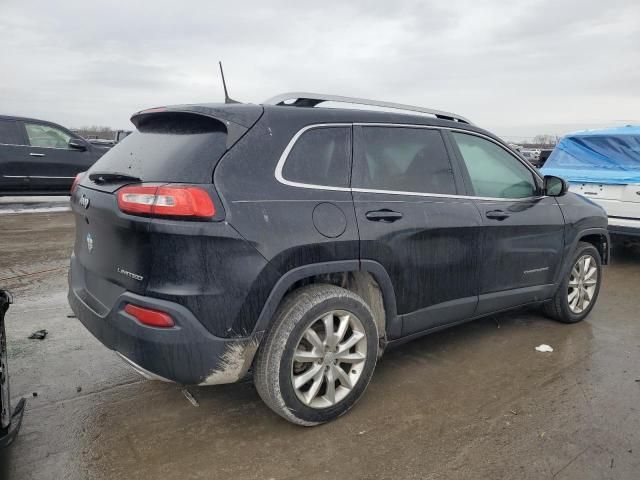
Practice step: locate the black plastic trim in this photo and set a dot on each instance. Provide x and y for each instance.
(414, 336)
(393, 323)
(595, 231)
(569, 257)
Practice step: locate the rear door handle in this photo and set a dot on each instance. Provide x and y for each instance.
(384, 215)
(37, 154)
(497, 215)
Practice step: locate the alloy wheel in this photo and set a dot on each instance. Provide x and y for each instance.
(329, 359)
(582, 284)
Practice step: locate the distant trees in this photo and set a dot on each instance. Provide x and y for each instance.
(545, 139)
(95, 131)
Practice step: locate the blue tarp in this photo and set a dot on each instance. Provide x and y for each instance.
(609, 156)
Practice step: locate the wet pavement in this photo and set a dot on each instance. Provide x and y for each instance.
(476, 401)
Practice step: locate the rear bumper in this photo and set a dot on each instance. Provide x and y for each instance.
(187, 353)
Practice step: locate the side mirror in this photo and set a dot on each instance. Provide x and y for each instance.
(555, 186)
(76, 144)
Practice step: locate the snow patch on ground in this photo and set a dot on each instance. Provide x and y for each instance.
(544, 348)
(12, 205)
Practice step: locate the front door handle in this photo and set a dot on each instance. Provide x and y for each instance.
(384, 215)
(37, 154)
(497, 215)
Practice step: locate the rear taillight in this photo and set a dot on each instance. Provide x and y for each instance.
(76, 180)
(167, 201)
(147, 316)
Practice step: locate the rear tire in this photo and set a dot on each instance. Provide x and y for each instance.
(579, 290)
(322, 335)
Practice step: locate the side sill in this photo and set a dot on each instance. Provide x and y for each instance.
(400, 341)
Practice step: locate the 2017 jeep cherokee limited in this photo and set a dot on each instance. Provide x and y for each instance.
(298, 242)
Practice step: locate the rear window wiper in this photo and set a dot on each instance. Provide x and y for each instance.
(102, 178)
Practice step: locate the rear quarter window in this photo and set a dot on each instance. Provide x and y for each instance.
(168, 147)
(10, 133)
(321, 156)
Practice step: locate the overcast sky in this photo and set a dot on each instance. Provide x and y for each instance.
(516, 68)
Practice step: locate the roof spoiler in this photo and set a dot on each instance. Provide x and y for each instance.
(237, 118)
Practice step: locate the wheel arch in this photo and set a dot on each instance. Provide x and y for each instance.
(558, 307)
(599, 238)
(366, 278)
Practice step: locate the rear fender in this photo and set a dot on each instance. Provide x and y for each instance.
(393, 324)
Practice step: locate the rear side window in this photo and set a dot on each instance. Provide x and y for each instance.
(403, 159)
(321, 156)
(168, 147)
(41, 135)
(10, 133)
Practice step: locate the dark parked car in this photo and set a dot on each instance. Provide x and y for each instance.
(298, 243)
(38, 157)
(544, 156)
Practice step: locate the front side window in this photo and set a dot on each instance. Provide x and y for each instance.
(403, 159)
(41, 135)
(10, 133)
(321, 156)
(493, 172)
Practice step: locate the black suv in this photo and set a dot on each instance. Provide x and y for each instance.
(298, 242)
(39, 157)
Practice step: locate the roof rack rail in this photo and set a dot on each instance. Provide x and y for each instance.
(307, 99)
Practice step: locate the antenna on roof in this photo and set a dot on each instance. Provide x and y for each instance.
(227, 98)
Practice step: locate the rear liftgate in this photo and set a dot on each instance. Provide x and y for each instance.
(9, 420)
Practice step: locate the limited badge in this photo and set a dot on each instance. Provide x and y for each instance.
(89, 242)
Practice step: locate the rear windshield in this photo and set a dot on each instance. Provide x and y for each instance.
(168, 147)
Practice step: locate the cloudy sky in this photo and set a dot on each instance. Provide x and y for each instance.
(517, 68)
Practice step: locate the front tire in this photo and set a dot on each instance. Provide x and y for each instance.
(319, 355)
(579, 290)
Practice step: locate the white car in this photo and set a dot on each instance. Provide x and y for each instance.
(621, 202)
(603, 165)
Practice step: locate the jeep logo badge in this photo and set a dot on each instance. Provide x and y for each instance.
(84, 201)
(89, 242)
